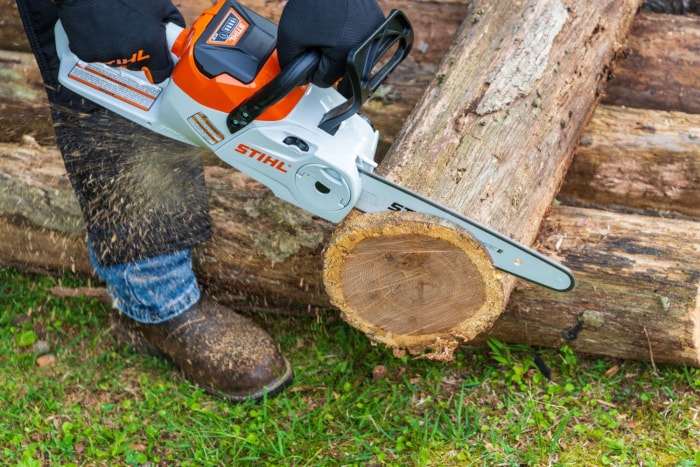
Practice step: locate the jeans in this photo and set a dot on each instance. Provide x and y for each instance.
(151, 290)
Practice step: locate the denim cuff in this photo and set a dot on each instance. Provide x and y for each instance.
(151, 290)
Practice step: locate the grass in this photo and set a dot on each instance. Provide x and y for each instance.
(352, 403)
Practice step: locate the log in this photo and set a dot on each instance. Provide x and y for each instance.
(676, 7)
(638, 277)
(494, 141)
(12, 35)
(262, 245)
(645, 161)
(660, 65)
(639, 152)
(24, 108)
(638, 293)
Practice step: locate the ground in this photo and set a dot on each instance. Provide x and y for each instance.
(70, 397)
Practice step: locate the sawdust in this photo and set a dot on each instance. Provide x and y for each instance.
(141, 193)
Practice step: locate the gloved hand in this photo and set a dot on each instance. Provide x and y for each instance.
(333, 28)
(128, 33)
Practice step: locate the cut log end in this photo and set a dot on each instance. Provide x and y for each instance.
(412, 282)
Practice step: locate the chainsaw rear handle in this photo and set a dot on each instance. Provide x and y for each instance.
(396, 31)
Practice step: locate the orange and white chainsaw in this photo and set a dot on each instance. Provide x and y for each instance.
(308, 144)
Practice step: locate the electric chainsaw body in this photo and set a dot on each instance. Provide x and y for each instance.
(308, 144)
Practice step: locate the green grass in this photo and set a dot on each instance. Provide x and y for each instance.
(102, 405)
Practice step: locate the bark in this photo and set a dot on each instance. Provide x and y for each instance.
(261, 245)
(637, 160)
(499, 150)
(659, 69)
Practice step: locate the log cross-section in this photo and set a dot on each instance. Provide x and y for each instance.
(411, 282)
(495, 132)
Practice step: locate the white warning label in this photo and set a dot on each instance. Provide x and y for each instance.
(114, 82)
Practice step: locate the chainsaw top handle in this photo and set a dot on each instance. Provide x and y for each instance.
(296, 74)
(395, 33)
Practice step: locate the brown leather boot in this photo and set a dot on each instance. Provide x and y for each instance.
(224, 353)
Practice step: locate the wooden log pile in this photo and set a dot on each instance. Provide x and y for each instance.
(626, 219)
(629, 222)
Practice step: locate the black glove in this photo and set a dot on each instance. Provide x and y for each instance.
(128, 33)
(333, 28)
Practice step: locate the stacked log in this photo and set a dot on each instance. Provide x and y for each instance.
(23, 105)
(637, 294)
(640, 150)
(637, 160)
(639, 155)
(661, 65)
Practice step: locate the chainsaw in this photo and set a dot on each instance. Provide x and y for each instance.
(308, 144)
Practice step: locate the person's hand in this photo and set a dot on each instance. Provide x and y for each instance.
(333, 28)
(128, 33)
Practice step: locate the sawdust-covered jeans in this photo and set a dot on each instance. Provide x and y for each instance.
(151, 290)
